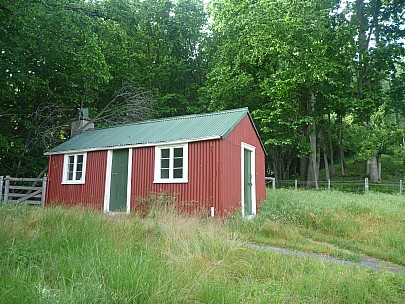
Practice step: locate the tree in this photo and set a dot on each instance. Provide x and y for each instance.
(283, 59)
(380, 26)
(379, 136)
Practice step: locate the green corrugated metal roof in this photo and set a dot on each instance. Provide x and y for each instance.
(181, 128)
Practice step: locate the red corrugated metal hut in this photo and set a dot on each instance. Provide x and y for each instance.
(214, 161)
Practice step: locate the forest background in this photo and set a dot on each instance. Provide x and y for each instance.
(323, 79)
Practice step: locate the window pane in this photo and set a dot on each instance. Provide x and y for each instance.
(178, 163)
(70, 165)
(177, 173)
(80, 158)
(164, 173)
(165, 153)
(178, 152)
(79, 167)
(78, 175)
(164, 163)
(71, 162)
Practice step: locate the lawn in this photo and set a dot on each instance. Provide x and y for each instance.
(59, 255)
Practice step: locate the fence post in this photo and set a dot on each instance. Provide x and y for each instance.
(7, 188)
(1, 189)
(366, 184)
(401, 187)
(44, 180)
(273, 182)
(329, 184)
(296, 184)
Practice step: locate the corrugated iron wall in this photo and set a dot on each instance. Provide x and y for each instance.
(90, 194)
(202, 189)
(230, 183)
(214, 175)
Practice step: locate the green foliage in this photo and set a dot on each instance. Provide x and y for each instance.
(66, 54)
(277, 54)
(381, 135)
(271, 56)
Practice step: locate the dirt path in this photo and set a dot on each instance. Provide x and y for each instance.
(374, 264)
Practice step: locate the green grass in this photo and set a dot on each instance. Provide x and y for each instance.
(58, 255)
(334, 223)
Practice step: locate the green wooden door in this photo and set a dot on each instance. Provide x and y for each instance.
(247, 182)
(119, 180)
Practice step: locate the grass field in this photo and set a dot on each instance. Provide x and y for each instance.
(339, 224)
(57, 255)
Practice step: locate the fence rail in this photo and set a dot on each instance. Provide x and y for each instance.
(23, 190)
(356, 186)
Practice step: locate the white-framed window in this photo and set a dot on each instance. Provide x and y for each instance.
(171, 164)
(74, 168)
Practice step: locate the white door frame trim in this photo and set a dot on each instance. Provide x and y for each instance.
(252, 149)
(107, 187)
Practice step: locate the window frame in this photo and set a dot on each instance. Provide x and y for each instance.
(157, 172)
(65, 174)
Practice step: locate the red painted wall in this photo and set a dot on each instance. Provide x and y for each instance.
(90, 194)
(230, 182)
(202, 188)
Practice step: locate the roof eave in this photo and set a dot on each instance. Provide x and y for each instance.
(176, 142)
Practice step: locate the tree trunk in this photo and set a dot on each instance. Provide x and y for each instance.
(325, 157)
(341, 148)
(332, 162)
(313, 169)
(374, 169)
(287, 169)
(304, 167)
(277, 164)
(362, 49)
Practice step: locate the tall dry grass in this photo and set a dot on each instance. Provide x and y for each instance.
(60, 255)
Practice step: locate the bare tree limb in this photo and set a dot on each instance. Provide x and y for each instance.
(129, 104)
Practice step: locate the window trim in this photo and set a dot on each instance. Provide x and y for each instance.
(157, 166)
(65, 179)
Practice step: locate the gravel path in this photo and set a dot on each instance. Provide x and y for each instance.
(365, 262)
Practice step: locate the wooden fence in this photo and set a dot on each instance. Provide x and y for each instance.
(23, 190)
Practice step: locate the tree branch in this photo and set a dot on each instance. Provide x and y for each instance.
(88, 12)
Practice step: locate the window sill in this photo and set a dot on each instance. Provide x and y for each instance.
(73, 182)
(170, 181)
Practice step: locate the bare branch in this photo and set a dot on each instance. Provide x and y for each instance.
(52, 123)
(130, 104)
